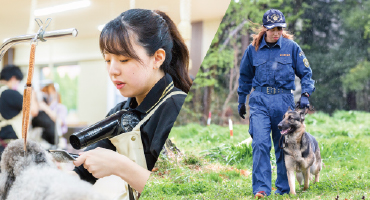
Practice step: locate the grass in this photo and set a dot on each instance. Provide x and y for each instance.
(216, 167)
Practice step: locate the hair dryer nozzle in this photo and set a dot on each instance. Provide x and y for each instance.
(120, 122)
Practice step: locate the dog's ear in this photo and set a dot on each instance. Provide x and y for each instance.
(289, 109)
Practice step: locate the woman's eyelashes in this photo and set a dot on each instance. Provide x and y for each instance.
(122, 61)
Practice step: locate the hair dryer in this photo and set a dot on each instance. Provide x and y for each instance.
(122, 121)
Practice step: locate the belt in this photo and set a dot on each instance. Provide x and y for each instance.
(272, 90)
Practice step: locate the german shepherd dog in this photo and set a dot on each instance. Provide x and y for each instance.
(301, 150)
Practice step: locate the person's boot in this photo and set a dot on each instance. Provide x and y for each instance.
(260, 194)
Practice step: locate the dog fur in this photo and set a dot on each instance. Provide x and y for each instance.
(301, 150)
(34, 176)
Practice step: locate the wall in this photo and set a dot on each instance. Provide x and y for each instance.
(196, 47)
(209, 30)
(92, 91)
(59, 51)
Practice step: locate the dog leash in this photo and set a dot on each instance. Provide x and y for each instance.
(27, 94)
(280, 142)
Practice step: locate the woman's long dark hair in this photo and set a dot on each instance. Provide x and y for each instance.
(152, 30)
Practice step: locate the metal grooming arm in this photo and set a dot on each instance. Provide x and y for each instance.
(72, 32)
(41, 35)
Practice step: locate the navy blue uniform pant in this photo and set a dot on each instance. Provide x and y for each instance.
(266, 111)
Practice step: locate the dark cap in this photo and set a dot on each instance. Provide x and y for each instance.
(273, 18)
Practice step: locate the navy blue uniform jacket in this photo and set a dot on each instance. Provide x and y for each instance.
(274, 67)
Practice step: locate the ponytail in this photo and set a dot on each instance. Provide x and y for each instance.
(179, 64)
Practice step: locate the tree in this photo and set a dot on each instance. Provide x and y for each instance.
(333, 41)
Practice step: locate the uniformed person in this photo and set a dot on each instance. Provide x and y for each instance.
(269, 65)
(147, 60)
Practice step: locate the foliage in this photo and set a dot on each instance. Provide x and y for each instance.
(67, 89)
(223, 59)
(231, 155)
(358, 77)
(336, 44)
(191, 160)
(225, 166)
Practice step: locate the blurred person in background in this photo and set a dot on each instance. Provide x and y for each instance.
(53, 99)
(11, 102)
(52, 115)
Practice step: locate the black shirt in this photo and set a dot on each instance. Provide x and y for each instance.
(10, 106)
(271, 44)
(154, 132)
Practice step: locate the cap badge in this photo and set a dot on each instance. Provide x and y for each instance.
(274, 18)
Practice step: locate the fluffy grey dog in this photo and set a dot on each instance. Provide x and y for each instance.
(34, 176)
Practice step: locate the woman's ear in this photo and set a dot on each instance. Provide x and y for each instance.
(159, 57)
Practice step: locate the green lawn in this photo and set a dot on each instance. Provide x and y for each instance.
(216, 167)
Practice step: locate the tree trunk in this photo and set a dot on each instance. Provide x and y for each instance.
(233, 84)
(351, 100)
(207, 99)
(245, 42)
(297, 8)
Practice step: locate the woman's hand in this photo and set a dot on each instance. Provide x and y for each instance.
(102, 162)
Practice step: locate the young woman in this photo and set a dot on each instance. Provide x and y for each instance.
(269, 65)
(147, 61)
